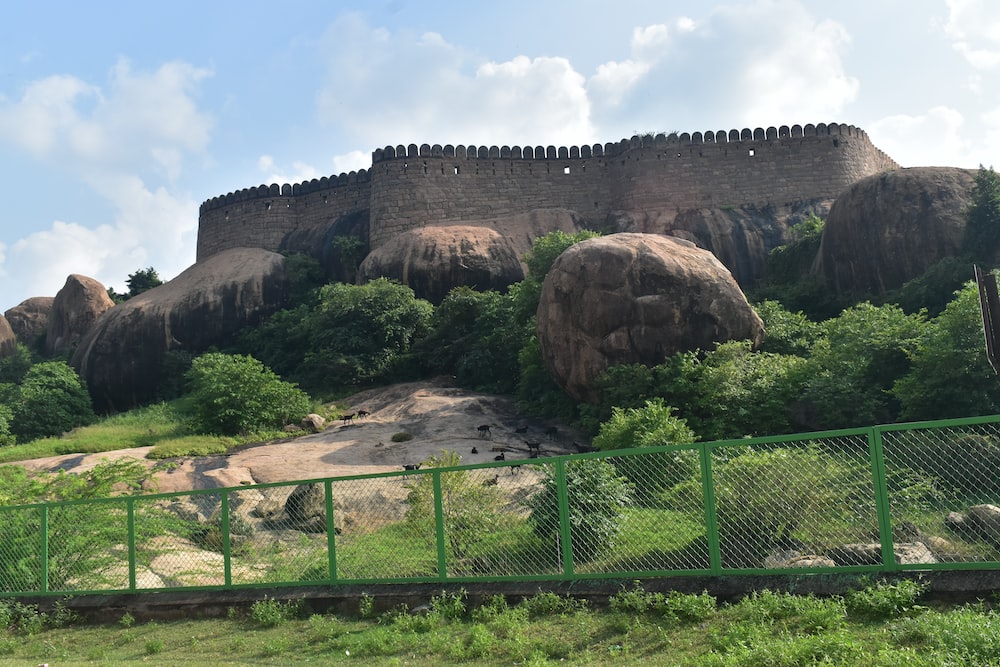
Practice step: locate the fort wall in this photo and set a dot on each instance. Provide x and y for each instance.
(414, 186)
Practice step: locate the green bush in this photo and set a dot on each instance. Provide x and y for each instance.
(885, 600)
(235, 394)
(50, 400)
(597, 496)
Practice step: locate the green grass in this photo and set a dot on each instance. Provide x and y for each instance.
(771, 629)
(161, 426)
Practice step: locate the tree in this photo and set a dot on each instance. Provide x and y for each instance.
(142, 280)
(982, 219)
(50, 400)
(950, 375)
(852, 369)
(236, 394)
(597, 497)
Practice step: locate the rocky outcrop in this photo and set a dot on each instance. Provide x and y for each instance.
(888, 229)
(635, 298)
(30, 319)
(740, 237)
(8, 341)
(122, 358)
(338, 245)
(432, 260)
(75, 308)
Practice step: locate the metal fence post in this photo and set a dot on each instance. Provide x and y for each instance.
(331, 532)
(227, 564)
(439, 526)
(565, 533)
(44, 556)
(711, 519)
(130, 507)
(881, 498)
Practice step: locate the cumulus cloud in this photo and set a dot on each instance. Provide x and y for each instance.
(764, 63)
(127, 142)
(388, 88)
(299, 172)
(903, 136)
(974, 27)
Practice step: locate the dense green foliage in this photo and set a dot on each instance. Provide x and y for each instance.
(50, 399)
(982, 228)
(597, 496)
(236, 394)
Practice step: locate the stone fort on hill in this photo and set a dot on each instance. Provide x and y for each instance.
(409, 187)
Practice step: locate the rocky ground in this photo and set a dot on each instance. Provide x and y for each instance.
(439, 416)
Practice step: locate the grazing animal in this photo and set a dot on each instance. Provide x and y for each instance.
(552, 433)
(533, 455)
(362, 414)
(485, 432)
(534, 447)
(347, 418)
(475, 451)
(492, 482)
(515, 469)
(521, 429)
(500, 457)
(411, 466)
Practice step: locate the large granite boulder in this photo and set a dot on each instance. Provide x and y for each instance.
(432, 260)
(740, 237)
(75, 308)
(122, 358)
(30, 319)
(890, 228)
(8, 341)
(635, 298)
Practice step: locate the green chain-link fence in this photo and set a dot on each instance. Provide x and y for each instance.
(915, 496)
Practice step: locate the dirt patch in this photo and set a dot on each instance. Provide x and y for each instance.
(438, 416)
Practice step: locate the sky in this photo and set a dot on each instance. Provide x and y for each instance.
(118, 119)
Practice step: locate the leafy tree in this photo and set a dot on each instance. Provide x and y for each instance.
(597, 497)
(852, 369)
(50, 400)
(950, 374)
(537, 393)
(982, 219)
(236, 394)
(476, 337)
(653, 425)
(934, 289)
(142, 280)
(14, 367)
(6, 417)
(541, 257)
(786, 332)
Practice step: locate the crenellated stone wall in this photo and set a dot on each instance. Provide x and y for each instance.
(413, 186)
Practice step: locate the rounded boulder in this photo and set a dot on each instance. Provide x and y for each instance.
(635, 298)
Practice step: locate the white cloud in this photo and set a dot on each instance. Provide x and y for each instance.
(974, 26)
(903, 137)
(353, 161)
(299, 172)
(386, 88)
(128, 143)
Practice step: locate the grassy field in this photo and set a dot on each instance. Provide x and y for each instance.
(883, 625)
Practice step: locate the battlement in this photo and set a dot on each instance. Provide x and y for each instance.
(412, 186)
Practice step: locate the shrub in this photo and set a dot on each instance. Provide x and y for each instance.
(597, 497)
(269, 613)
(545, 603)
(885, 600)
(402, 436)
(50, 400)
(236, 394)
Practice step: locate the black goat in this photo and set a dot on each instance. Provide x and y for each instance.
(534, 447)
(347, 418)
(475, 451)
(485, 432)
(500, 457)
(362, 414)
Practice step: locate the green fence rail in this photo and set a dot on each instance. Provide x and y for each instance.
(908, 496)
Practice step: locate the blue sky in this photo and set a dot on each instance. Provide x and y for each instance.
(118, 119)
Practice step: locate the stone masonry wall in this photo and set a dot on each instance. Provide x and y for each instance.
(410, 186)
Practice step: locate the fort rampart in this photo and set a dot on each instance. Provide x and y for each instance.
(413, 186)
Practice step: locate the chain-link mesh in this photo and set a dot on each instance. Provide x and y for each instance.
(795, 504)
(487, 525)
(659, 522)
(88, 546)
(810, 503)
(943, 487)
(20, 550)
(179, 541)
(379, 535)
